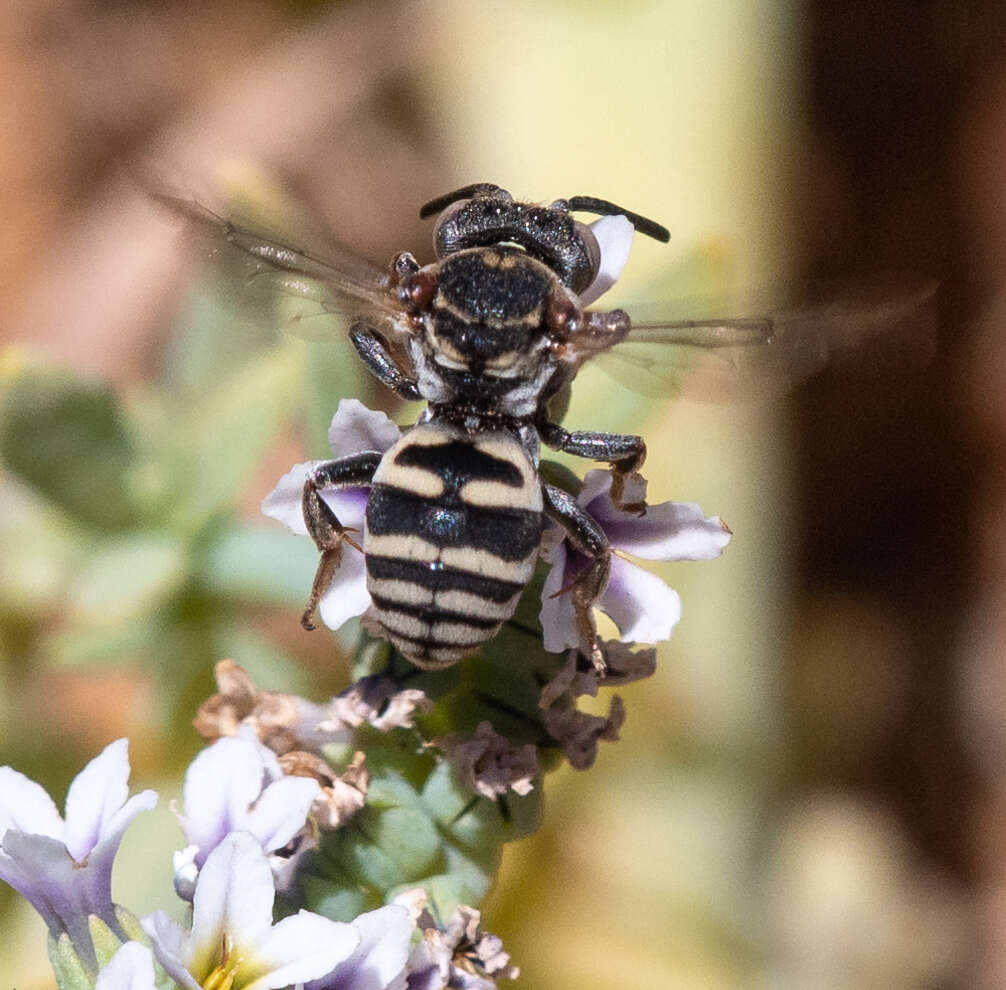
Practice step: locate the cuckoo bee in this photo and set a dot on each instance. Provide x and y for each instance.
(486, 335)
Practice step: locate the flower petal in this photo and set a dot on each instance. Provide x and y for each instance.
(557, 616)
(381, 955)
(281, 811)
(643, 607)
(95, 795)
(170, 943)
(234, 897)
(221, 784)
(285, 502)
(24, 805)
(347, 595)
(297, 949)
(131, 968)
(669, 531)
(355, 428)
(349, 506)
(614, 237)
(40, 869)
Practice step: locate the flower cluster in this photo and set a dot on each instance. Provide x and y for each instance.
(64, 867)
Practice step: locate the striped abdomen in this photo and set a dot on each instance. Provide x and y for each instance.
(451, 538)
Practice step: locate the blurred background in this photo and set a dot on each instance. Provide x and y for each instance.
(811, 791)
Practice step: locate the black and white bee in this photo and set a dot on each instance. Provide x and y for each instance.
(487, 335)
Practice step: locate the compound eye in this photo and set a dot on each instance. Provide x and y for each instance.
(592, 248)
(438, 239)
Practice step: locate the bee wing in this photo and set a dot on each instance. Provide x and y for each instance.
(745, 359)
(335, 281)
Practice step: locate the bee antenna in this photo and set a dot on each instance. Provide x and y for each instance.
(590, 204)
(465, 192)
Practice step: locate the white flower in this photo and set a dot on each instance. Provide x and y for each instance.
(237, 784)
(64, 867)
(643, 607)
(354, 429)
(131, 968)
(233, 942)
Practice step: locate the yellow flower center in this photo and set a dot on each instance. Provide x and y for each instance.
(221, 977)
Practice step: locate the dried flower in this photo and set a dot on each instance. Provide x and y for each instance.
(460, 955)
(340, 796)
(489, 763)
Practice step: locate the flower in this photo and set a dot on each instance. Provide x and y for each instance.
(238, 784)
(354, 428)
(378, 962)
(489, 764)
(576, 732)
(643, 607)
(380, 702)
(339, 796)
(64, 867)
(283, 722)
(233, 942)
(460, 955)
(131, 968)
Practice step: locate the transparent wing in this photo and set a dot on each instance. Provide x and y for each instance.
(743, 359)
(332, 280)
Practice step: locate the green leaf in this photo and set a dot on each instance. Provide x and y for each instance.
(386, 847)
(106, 943)
(335, 898)
(69, 971)
(70, 440)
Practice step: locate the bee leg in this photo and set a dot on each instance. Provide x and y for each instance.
(624, 451)
(380, 363)
(329, 535)
(588, 539)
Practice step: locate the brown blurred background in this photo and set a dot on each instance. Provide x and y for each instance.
(871, 853)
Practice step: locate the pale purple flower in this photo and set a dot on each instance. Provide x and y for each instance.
(237, 784)
(233, 942)
(641, 604)
(64, 866)
(354, 429)
(378, 962)
(131, 968)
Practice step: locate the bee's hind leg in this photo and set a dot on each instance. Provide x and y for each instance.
(587, 538)
(329, 535)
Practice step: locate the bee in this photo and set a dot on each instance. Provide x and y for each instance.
(488, 335)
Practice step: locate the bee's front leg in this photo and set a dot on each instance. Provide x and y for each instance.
(587, 538)
(355, 471)
(624, 451)
(380, 363)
